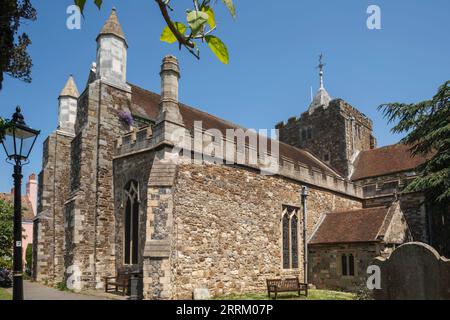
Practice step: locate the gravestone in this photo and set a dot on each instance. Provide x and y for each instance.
(414, 271)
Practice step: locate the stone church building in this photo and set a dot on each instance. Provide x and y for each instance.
(112, 195)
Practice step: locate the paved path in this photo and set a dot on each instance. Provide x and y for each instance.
(36, 291)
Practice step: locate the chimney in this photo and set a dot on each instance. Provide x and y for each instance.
(170, 75)
(32, 191)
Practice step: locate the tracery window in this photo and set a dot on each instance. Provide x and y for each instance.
(290, 232)
(131, 223)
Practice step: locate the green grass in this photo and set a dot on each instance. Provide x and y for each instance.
(312, 295)
(5, 295)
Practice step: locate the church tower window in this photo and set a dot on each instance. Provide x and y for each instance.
(131, 223)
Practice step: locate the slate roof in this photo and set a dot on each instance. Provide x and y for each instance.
(386, 160)
(27, 209)
(146, 104)
(355, 226)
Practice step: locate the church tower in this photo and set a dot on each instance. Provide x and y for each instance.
(332, 130)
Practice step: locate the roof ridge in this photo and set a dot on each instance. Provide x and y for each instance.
(356, 210)
(226, 122)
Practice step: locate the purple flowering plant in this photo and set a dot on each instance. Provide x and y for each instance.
(126, 117)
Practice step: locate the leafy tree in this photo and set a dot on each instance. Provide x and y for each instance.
(29, 258)
(14, 58)
(198, 28)
(6, 233)
(427, 128)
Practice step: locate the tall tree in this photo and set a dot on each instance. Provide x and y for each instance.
(427, 128)
(14, 58)
(6, 233)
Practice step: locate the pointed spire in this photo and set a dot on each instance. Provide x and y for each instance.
(70, 89)
(322, 98)
(113, 27)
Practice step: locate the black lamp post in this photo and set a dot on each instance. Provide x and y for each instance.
(18, 141)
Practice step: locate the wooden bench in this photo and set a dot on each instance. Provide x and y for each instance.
(121, 281)
(287, 285)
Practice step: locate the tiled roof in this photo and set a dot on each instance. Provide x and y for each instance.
(386, 160)
(27, 209)
(363, 225)
(146, 104)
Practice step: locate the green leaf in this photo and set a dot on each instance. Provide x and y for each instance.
(168, 36)
(211, 17)
(219, 48)
(98, 3)
(196, 20)
(230, 6)
(80, 4)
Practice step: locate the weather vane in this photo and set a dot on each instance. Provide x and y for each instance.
(320, 66)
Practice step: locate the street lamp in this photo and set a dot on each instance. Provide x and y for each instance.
(18, 141)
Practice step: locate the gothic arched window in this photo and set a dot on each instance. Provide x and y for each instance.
(290, 238)
(131, 223)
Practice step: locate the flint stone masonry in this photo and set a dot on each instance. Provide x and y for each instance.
(414, 271)
(228, 231)
(325, 266)
(92, 181)
(54, 188)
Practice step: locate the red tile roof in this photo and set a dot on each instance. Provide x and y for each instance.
(363, 225)
(386, 160)
(27, 209)
(146, 104)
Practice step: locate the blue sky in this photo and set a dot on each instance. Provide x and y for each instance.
(273, 47)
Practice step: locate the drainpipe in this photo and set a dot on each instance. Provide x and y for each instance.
(304, 196)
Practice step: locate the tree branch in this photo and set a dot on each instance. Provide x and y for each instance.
(180, 37)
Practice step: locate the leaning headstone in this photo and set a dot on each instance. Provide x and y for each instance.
(414, 271)
(201, 294)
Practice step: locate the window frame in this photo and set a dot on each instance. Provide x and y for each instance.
(290, 212)
(131, 199)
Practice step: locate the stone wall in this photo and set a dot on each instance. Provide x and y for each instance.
(90, 203)
(334, 134)
(325, 266)
(53, 191)
(227, 232)
(380, 191)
